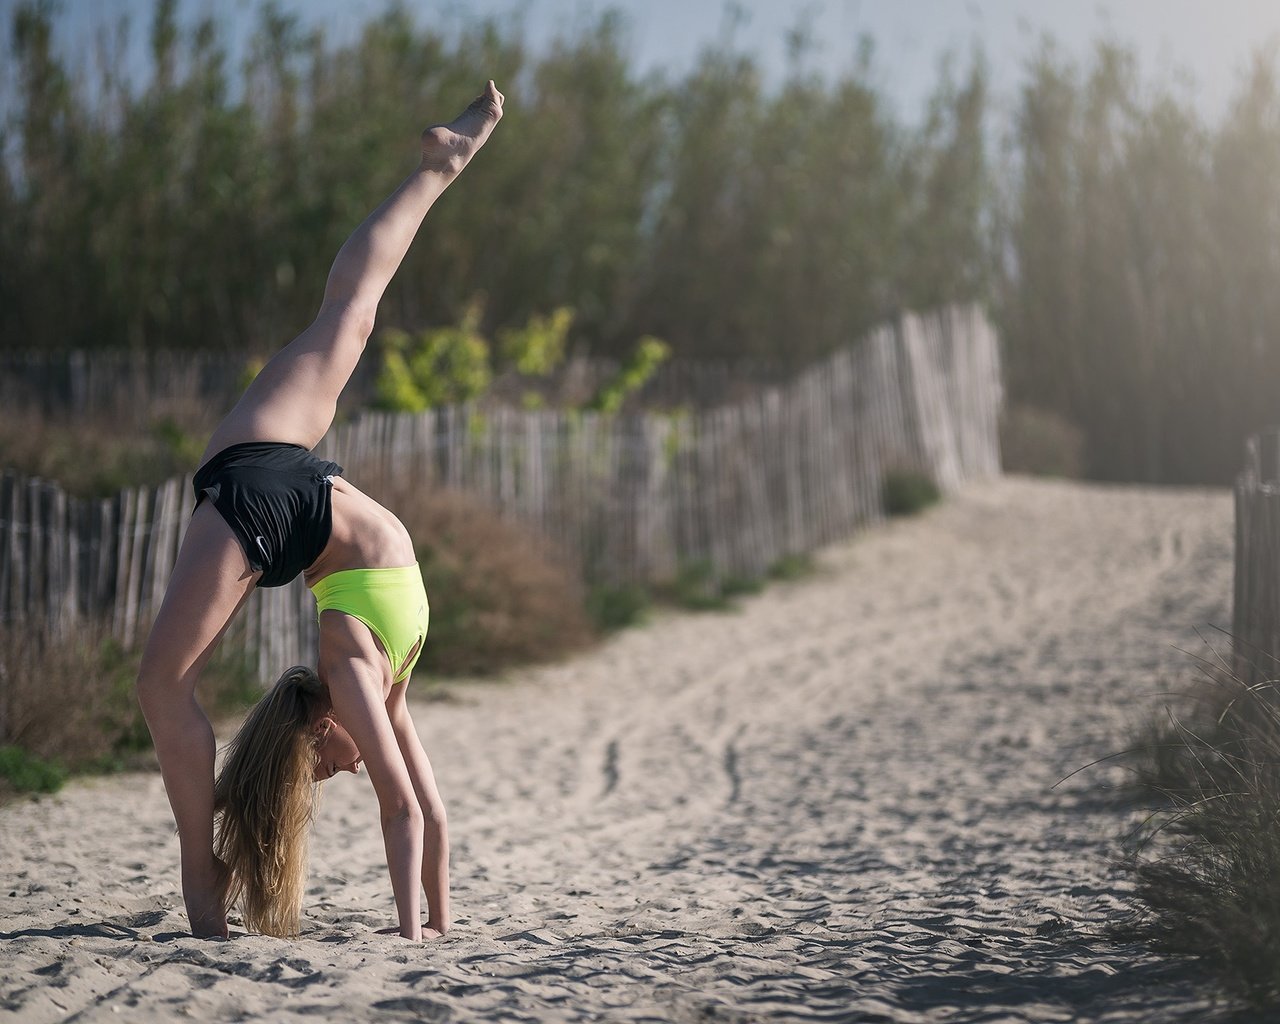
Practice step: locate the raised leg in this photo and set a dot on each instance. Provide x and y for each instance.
(294, 397)
(210, 582)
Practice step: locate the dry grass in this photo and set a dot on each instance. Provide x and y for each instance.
(1208, 865)
(97, 456)
(69, 702)
(499, 596)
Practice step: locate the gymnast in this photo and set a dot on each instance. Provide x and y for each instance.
(267, 510)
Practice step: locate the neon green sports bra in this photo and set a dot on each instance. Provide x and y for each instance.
(391, 602)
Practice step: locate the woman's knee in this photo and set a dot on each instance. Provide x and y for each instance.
(162, 681)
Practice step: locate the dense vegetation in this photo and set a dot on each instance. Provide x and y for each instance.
(1125, 246)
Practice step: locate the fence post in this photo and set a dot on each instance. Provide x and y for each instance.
(1255, 619)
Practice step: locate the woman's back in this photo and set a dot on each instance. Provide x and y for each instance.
(364, 536)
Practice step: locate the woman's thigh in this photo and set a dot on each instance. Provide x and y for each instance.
(294, 398)
(211, 580)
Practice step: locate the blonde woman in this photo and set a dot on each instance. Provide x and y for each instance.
(267, 510)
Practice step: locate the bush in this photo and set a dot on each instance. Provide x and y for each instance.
(696, 587)
(498, 595)
(442, 366)
(68, 700)
(907, 492)
(1040, 443)
(1207, 869)
(740, 586)
(68, 705)
(24, 773)
(617, 607)
(792, 567)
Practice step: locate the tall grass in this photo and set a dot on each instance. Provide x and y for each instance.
(1207, 867)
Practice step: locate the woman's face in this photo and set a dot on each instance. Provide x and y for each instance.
(336, 751)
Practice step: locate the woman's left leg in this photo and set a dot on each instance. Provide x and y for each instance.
(294, 398)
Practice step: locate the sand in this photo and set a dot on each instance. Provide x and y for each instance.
(835, 803)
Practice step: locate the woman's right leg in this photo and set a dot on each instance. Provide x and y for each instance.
(294, 397)
(210, 582)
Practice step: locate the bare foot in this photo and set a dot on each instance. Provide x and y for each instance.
(446, 148)
(207, 904)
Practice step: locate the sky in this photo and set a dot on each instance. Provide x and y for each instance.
(1200, 46)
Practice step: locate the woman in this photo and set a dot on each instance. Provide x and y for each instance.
(267, 510)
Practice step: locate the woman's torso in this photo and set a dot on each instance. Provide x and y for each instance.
(364, 536)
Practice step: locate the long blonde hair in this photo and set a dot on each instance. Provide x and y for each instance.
(265, 798)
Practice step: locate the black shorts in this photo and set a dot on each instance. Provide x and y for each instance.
(276, 497)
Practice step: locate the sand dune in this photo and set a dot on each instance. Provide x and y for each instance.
(836, 803)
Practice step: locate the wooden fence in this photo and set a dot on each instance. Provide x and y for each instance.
(1255, 627)
(630, 498)
(133, 387)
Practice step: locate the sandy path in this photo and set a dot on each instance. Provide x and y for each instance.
(835, 803)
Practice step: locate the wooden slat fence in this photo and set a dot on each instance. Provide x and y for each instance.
(630, 498)
(130, 387)
(1256, 609)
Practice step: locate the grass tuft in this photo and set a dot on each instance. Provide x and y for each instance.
(1207, 863)
(907, 492)
(23, 772)
(793, 567)
(612, 608)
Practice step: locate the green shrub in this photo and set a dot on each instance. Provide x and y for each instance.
(24, 773)
(229, 684)
(907, 492)
(617, 607)
(740, 586)
(536, 349)
(644, 361)
(793, 567)
(697, 588)
(1040, 443)
(441, 366)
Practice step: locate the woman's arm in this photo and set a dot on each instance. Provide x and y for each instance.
(435, 835)
(355, 688)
